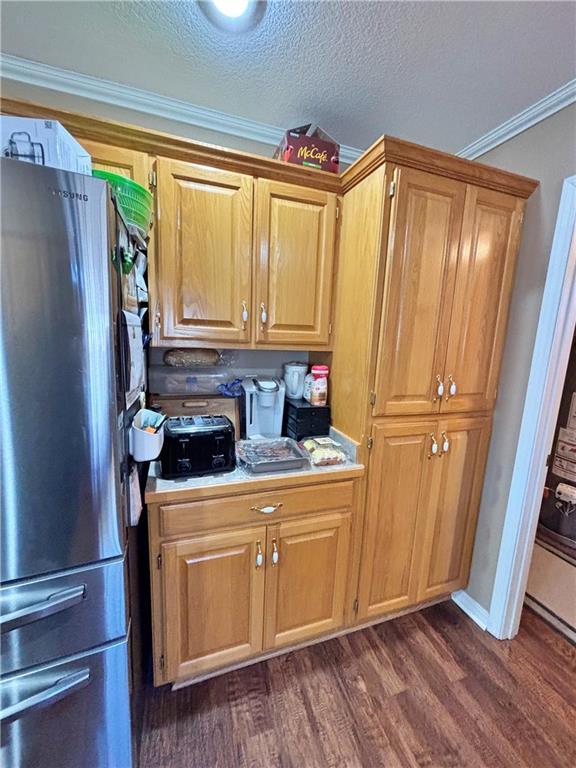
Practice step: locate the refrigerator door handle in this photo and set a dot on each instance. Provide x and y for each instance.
(62, 688)
(55, 603)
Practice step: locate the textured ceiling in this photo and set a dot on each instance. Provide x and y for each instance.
(440, 73)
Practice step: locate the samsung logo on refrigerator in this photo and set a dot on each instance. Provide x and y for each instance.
(65, 193)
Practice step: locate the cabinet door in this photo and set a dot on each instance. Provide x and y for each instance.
(125, 162)
(454, 499)
(305, 587)
(399, 478)
(295, 233)
(204, 253)
(213, 589)
(489, 243)
(419, 281)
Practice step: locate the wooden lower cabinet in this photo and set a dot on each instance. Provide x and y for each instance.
(424, 484)
(399, 477)
(454, 501)
(223, 596)
(213, 592)
(305, 588)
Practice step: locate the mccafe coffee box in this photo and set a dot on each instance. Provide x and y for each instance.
(311, 146)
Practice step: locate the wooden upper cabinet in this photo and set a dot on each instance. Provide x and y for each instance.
(306, 576)
(453, 500)
(213, 593)
(125, 162)
(204, 253)
(489, 244)
(294, 241)
(421, 257)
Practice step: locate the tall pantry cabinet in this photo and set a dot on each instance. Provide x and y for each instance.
(428, 245)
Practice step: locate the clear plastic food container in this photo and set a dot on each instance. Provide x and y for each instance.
(162, 379)
(277, 454)
(323, 451)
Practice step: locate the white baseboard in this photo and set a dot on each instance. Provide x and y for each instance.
(471, 608)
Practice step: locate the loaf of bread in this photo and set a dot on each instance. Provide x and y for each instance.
(191, 358)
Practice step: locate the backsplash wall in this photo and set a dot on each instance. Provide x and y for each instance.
(247, 362)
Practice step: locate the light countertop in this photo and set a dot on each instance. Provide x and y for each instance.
(241, 481)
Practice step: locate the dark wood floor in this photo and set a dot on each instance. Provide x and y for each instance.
(428, 689)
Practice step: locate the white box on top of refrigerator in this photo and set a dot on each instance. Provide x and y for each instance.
(43, 142)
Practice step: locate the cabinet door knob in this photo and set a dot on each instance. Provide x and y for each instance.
(244, 315)
(439, 388)
(259, 555)
(263, 314)
(433, 446)
(267, 510)
(445, 444)
(452, 389)
(275, 553)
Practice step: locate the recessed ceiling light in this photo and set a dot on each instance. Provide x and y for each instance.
(232, 8)
(233, 15)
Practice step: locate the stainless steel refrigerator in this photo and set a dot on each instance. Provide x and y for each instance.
(64, 619)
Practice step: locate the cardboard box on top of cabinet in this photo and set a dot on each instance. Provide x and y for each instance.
(309, 145)
(43, 142)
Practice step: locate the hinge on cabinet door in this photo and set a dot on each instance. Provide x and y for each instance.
(548, 459)
(392, 189)
(372, 398)
(355, 605)
(337, 211)
(158, 320)
(161, 665)
(370, 442)
(152, 179)
(329, 329)
(159, 562)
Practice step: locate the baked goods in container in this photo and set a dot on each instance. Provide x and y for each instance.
(324, 451)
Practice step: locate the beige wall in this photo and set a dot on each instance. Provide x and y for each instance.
(546, 152)
(59, 100)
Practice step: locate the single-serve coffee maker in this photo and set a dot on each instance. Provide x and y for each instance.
(262, 407)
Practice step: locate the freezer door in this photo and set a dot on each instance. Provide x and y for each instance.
(57, 616)
(75, 714)
(59, 475)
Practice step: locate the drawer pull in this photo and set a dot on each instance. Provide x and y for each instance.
(56, 692)
(268, 509)
(259, 555)
(275, 553)
(195, 404)
(59, 601)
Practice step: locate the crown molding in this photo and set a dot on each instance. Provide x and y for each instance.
(108, 92)
(554, 102)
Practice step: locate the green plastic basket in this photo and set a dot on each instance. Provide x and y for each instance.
(134, 200)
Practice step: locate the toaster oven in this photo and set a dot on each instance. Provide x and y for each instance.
(197, 445)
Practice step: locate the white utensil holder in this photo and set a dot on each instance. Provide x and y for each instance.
(145, 446)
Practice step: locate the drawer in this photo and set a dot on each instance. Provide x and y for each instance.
(248, 509)
(62, 614)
